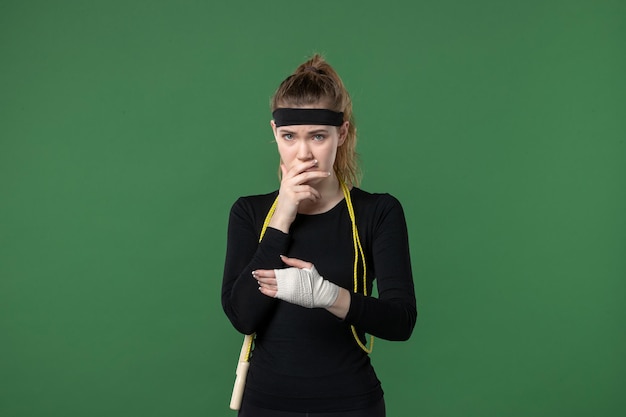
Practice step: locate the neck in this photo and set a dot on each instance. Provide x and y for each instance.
(331, 192)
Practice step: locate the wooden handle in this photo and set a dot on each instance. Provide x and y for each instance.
(240, 383)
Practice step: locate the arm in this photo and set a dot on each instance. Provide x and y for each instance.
(245, 306)
(393, 314)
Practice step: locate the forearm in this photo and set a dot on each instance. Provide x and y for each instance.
(245, 307)
(392, 319)
(342, 304)
(392, 315)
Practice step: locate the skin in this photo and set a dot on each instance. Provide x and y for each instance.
(308, 186)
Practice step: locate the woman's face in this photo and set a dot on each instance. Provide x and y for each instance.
(303, 143)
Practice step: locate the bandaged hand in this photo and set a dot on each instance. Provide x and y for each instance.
(305, 287)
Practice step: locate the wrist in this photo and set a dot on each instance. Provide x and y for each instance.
(341, 306)
(280, 223)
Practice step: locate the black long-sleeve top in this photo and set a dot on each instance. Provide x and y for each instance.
(307, 359)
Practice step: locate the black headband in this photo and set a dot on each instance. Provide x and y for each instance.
(288, 117)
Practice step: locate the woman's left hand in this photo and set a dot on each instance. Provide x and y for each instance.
(300, 284)
(308, 290)
(267, 277)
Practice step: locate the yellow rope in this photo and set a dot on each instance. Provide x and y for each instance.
(357, 245)
(358, 250)
(266, 222)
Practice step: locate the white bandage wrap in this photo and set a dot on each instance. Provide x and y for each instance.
(305, 287)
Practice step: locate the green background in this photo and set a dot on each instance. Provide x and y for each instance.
(128, 128)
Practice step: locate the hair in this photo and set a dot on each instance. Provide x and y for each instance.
(316, 82)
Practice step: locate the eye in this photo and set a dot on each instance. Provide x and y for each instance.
(319, 137)
(288, 136)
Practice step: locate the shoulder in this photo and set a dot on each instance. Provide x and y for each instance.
(374, 201)
(377, 210)
(253, 206)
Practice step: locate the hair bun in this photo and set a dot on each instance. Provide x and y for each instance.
(311, 68)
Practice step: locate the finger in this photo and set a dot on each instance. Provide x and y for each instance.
(298, 263)
(297, 194)
(267, 282)
(263, 273)
(301, 168)
(268, 288)
(304, 177)
(269, 292)
(306, 192)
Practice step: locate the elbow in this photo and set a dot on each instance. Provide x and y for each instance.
(244, 329)
(407, 329)
(242, 325)
(404, 336)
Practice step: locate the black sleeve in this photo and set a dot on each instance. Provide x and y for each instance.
(393, 314)
(246, 307)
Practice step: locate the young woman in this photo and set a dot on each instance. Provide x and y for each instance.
(301, 263)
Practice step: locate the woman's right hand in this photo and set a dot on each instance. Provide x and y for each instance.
(295, 190)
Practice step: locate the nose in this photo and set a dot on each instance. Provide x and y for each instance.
(304, 151)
